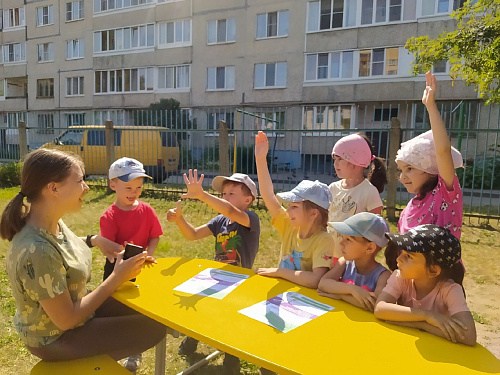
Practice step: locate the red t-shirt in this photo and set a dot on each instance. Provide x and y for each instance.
(138, 225)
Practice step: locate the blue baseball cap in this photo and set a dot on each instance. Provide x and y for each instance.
(313, 191)
(364, 224)
(127, 169)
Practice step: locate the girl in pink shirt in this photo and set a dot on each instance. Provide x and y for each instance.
(427, 164)
(425, 292)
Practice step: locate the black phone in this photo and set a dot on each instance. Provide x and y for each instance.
(132, 250)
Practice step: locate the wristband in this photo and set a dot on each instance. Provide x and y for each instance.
(89, 240)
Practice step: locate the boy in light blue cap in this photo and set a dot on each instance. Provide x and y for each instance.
(357, 277)
(306, 247)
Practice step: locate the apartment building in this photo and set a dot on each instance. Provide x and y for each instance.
(330, 64)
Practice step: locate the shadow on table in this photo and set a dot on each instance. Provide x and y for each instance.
(440, 350)
(170, 271)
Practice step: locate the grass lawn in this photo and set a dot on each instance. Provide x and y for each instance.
(481, 255)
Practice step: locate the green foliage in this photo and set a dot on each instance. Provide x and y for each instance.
(480, 173)
(471, 49)
(10, 174)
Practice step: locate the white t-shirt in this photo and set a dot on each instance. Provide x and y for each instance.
(347, 202)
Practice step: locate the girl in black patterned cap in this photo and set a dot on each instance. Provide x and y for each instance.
(425, 292)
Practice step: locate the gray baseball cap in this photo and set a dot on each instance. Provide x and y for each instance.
(218, 181)
(313, 191)
(364, 224)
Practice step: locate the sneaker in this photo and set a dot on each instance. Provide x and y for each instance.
(133, 362)
(231, 365)
(188, 346)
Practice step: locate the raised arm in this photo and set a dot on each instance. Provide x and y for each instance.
(442, 142)
(191, 233)
(195, 191)
(265, 182)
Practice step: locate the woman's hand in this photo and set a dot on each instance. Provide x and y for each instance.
(109, 248)
(128, 269)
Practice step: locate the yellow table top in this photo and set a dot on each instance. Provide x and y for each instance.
(344, 339)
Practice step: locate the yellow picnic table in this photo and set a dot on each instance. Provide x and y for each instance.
(344, 340)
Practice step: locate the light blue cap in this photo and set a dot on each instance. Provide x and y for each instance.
(364, 224)
(314, 191)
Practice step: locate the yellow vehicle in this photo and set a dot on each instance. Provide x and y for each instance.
(156, 148)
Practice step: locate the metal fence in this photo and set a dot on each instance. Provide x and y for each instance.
(301, 139)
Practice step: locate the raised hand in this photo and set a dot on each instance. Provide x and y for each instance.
(193, 184)
(175, 214)
(430, 88)
(261, 145)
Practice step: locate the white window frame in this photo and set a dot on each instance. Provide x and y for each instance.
(15, 50)
(45, 16)
(10, 16)
(114, 5)
(45, 123)
(115, 81)
(45, 52)
(384, 63)
(263, 30)
(344, 57)
(213, 28)
(75, 84)
(334, 116)
(213, 75)
(180, 31)
(277, 72)
(435, 5)
(130, 38)
(75, 10)
(2, 88)
(75, 45)
(48, 88)
(174, 74)
(74, 118)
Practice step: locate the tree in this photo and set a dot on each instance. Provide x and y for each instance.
(472, 49)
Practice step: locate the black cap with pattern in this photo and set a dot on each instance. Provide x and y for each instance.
(429, 238)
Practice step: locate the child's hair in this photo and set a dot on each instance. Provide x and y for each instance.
(377, 174)
(391, 253)
(245, 189)
(427, 187)
(322, 219)
(455, 272)
(41, 167)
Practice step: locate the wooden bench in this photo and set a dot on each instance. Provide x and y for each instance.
(97, 365)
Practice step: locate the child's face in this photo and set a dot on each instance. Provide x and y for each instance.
(412, 265)
(353, 248)
(127, 192)
(342, 167)
(299, 215)
(412, 178)
(233, 193)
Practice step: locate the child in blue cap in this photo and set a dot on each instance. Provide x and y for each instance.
(357, 277)
(306, 247)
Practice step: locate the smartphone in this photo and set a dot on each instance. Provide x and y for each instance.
(132, 250)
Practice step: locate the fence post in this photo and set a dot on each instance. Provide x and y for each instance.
(392, 170)
(23, 140)
(224, 168)
(110, 145)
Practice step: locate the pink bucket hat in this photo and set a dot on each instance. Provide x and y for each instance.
(354, 149)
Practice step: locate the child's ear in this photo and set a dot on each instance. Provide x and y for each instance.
(112, 184)
(371, 247)
(434, 270)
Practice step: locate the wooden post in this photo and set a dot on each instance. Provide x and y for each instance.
(23, 140)
(392, 169)
(224, 167)
(110, 145)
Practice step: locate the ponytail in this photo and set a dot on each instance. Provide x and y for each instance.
(40, 167)
(377, 174)
(13, 217)
(391, 254)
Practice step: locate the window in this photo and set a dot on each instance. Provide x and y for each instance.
(118, 117)
(45, 123)
(45, 88)
(74, 11)
(333, 65)
(218, 115)
(124, 80)
(174, 77)
(384, 114)
(270, 121)
(46, 52)
(329, 14)
(73, 119)
(433, 7)
(104, 5)
(274, 24)
(378, 62)
(15, 52)
(270, 75)
(75, 49)
(221, 31)
(440, 67)
(450, 113)
(327, 117)
(377, 11)
(2, 88)
(45, 15)
(175, 34)
(126, 38)
(13, 17)
(74, 86)
(98, 137)
(220, 78)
